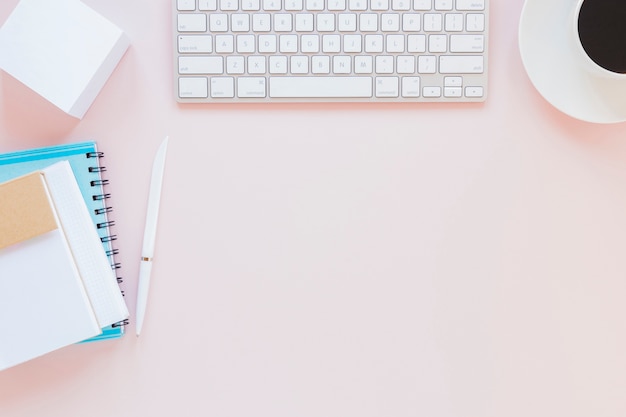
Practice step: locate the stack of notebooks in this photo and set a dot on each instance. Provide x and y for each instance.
(58, 276)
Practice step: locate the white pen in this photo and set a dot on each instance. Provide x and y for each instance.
(147, 251)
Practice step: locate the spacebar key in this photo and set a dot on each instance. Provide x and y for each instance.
(320, 87)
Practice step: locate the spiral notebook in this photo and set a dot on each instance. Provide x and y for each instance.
(84, 159)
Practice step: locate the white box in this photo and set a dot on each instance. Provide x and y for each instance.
(61, 49)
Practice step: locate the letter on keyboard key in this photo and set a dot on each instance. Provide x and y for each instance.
(200, 65)
(193, 87)
(320, 87)
(248, 87)
(465, 64)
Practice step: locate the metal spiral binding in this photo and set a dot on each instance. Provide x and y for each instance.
(97, 197)
(103, 210)
(99, 182)
(106, 224)
(121, 323)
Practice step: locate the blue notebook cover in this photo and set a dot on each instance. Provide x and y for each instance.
(84, 158)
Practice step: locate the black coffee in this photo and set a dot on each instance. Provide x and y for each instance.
(602, 31)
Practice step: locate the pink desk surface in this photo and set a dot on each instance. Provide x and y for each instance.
(344, 260)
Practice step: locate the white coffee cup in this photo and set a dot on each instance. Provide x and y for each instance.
(599, 61)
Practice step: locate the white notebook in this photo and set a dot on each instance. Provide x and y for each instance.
(93, 265)
(56, 285)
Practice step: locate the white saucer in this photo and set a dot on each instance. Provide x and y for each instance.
(550, 62)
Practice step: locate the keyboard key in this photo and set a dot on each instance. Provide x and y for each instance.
(467, 43)
(224, 44)
(240, 22)
(416, 43)
(229, 5)
(401, 4)
(320, 64)
(368, 22)
(432, 22)
(218, 22)
(453, 81)
(342, 64)
(195, 44)
(304, 22)
(431, 92)
(320, 87)
(294, 5)
(282, 22)
(453, 22)
(363, 64)
(422, 4)
(245, 44)
(411, 22)
(278, 64)
(373, 43)
(427, 64)
(352, 43)
(470, 4)
(310, 44)
(437, 43)
(200, 65)
(267, 44)
(314, 5)
(336, 5)
(235, 65)
(288, 43)
(475, 22)
(299, 64)
(405, 64)
(191, 22)
(410, 86)
(449, 64)
(272, 5)
(474, 92)
(443, 4)
(193, 87)
(454, 92)
(261, 22)
(357, 5)
(395, 43)
(250, 5)
(331, 43)
(208, 5)
(380, 5)
(256, 65)
(325, 22)
(384, 64)
(387, 86)
(251, 87)
(390, 22)
(186, 5)
(346, 22)
(222, 87)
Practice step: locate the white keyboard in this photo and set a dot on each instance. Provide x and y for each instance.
(330, 50)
